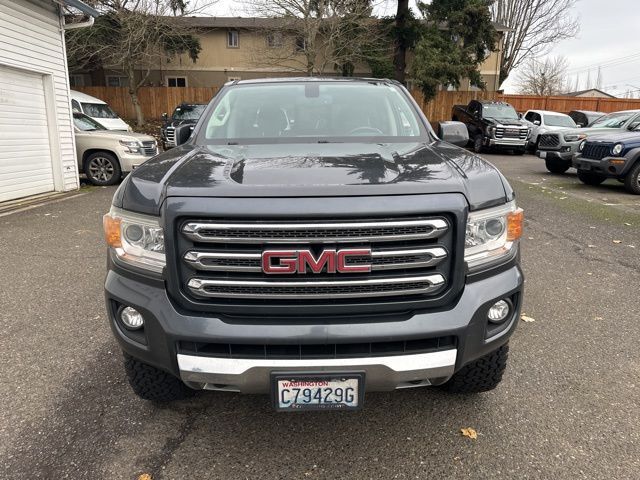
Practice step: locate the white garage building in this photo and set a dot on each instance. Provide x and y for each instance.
(37, 148)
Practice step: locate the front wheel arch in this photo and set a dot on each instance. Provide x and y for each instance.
(91, 151)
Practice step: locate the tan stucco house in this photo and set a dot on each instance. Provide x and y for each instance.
(237, 48)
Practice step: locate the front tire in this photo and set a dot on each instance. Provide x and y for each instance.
(590, 178)
(632, 180)
(556, 166)
(481, 375)
(478, 144)
(153, 384)
(102, 168)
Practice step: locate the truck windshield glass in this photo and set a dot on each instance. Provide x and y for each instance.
(615, 120)
(84, 123)
(98, 110)
(188, 112)
(559, 121)
(313, 112)
(499, 112)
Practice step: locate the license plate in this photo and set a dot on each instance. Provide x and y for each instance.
(296, 392)
(542, 154)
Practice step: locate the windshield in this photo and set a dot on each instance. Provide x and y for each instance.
(614, 120)
(98, 110)
(86, 124)
(499, 111)
(188, 112)
(559, 121)
(313, 112)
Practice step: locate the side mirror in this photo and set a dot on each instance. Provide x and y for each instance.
(165, 116)
(520, 116)
(579, 125)
(536, 123)
(183, 133)
(454, 132)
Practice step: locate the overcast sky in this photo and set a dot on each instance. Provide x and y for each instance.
(607, 38)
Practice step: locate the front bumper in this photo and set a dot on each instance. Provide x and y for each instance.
(614, 167)
(506, 143)
(166, 326)
(130, 161)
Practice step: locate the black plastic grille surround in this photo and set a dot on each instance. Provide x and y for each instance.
(549, 140)
(317, 351)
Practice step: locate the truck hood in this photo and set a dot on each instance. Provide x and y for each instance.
(628, 138)
(593, 131)
(113, 123)
(312, 170)
(121, 135)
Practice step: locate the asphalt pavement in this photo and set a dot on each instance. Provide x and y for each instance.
(568, 408)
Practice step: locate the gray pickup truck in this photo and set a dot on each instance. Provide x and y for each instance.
(313, 239)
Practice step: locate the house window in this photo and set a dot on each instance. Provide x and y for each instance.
(233, 39)
(301, 44)
(117, 81)
(275, 40)
(176, 81)
(76, 80)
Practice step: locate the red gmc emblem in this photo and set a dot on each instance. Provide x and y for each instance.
(304, 261)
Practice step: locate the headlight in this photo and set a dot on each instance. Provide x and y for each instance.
(492, 234)
(581, 146)
(617, 148)
(574, 137)
(131, 146)
(136, 239)
(491, 131)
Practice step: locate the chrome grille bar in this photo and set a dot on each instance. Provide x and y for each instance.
(340, 232)
(294, 289)
(251, 262)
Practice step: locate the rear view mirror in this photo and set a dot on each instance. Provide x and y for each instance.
(454, 132)
(520, 116)
(183, 133)
(579, 125)
(536, 123)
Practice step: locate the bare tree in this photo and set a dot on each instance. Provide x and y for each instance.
(535, 26)
(315, 36)
(134, 37)
(545, 78)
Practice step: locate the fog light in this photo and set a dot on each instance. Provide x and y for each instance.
(499, 311)
(131, 318)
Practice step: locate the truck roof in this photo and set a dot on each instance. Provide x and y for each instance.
(310, 79)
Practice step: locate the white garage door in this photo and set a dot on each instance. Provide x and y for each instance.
(25, 154)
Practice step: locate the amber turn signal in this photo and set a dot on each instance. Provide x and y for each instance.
(111, 227)
(515, 221)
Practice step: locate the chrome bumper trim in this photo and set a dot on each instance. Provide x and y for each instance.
(253, 375)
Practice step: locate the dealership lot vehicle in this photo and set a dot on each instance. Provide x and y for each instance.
(542, 121)
(611, 156)
(584, 118)
(493, 124)
(97, 110)
(105, 155)
(184, 114)
(558, 148)
(391, 228)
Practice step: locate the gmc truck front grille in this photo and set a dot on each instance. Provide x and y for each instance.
(549, 141)
(222, 260)
(512, 132)
(596, 151)
(170, 136)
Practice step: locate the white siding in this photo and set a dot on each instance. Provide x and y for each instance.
(32, 40)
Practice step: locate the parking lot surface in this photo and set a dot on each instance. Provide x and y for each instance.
(569, 406)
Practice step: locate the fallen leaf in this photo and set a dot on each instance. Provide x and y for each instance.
(591, 246)
(527, 319)
(598, 318)
(617, 241)
(145, 476)
(627, 224)
(589, 273)
(469, 432)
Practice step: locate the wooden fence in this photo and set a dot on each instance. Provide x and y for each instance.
(154, 100)
(157, 100)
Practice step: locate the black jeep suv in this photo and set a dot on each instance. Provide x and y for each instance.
(313, 239)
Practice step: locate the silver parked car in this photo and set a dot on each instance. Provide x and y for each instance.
(558, 148)
(543, 121)
(104, 155)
